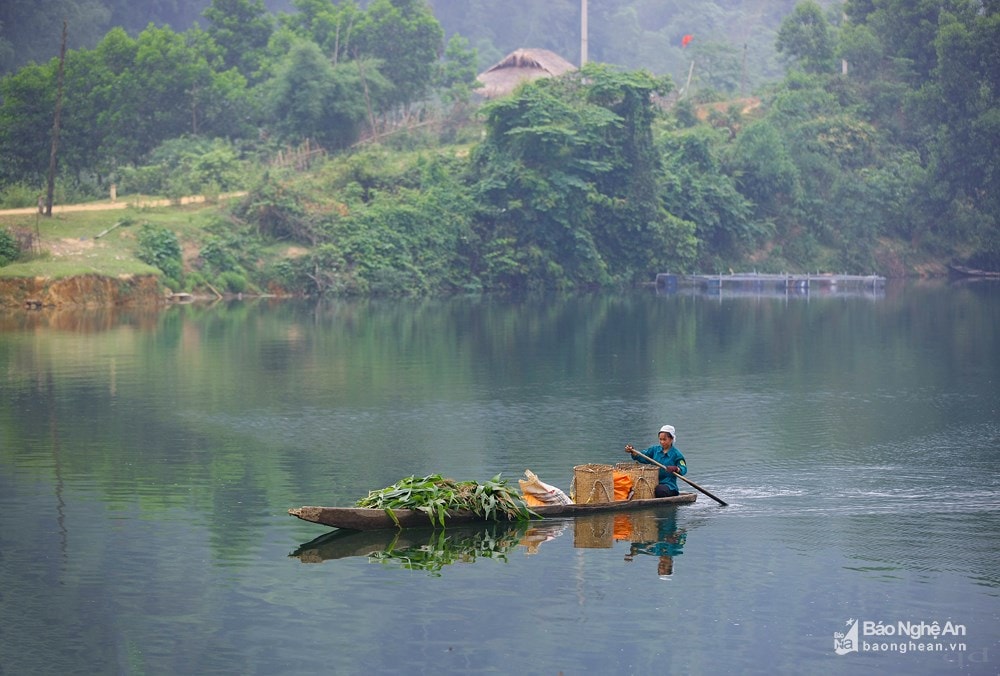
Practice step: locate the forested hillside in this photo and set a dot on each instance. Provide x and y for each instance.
(357, 131)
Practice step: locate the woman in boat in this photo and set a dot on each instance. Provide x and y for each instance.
(666, 454)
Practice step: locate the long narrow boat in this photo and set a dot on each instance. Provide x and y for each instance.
(963, 271)
(366, 518)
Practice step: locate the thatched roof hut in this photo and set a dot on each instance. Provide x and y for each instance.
(519, 66)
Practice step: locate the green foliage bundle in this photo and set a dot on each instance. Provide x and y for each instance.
(435, 496)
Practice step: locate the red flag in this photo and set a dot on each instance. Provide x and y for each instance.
(685, 40)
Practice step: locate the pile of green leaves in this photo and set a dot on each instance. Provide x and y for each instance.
(434, 495)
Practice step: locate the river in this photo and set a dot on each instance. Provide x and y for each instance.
(148, 458)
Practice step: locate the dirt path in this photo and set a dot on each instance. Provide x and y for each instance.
(124, 204)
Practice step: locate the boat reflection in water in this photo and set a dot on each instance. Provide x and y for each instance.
(653, 533)
(661, 538)
(647, 532)
(418, 548)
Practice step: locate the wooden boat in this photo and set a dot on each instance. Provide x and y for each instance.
(963, 271)
(366, 518)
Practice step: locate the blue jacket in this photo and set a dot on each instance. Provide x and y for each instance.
(671, 457)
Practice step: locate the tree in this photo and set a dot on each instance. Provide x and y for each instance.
(962, 108)
(698, 191)
(242, 29)
(309, 97)
(862, 50)
(907, 29)
(764, 167)
(168, 90)
(805, 37)
(94, 86)
(717, 66)
(406, 38)
(457, 75)
(332, 27)
(27, 99)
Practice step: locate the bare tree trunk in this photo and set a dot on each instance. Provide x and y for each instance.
(55, 125)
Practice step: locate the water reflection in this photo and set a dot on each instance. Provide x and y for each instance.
(660, 538)
(654, 533)
(417, 548)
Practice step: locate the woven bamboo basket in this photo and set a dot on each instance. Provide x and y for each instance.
(593, 483)
(594, 531)
(644, 478)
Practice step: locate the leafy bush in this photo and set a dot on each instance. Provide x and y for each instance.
(159, 247)
(9, 250)
(233, 282)
(193, 281)
(283, 276)
(218, 256)
(187, 165)
(18, 196)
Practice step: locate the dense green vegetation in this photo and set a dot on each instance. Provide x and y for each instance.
(353, 128)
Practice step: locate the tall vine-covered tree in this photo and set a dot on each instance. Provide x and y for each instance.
(568, 179)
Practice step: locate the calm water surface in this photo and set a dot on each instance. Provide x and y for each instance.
(148, 459)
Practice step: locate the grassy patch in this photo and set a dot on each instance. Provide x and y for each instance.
(101, 242)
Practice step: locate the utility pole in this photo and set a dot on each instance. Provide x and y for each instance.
(743, 73)
(55, 125)
(583, 33)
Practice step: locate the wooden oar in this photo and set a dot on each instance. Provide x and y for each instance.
(720, 501)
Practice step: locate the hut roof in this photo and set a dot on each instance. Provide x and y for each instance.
(519, 66)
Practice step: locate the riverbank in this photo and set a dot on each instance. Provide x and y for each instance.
(85, 255)
(92, 290)
(88, 255)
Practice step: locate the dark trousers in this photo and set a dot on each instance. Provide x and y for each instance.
(664, 492)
